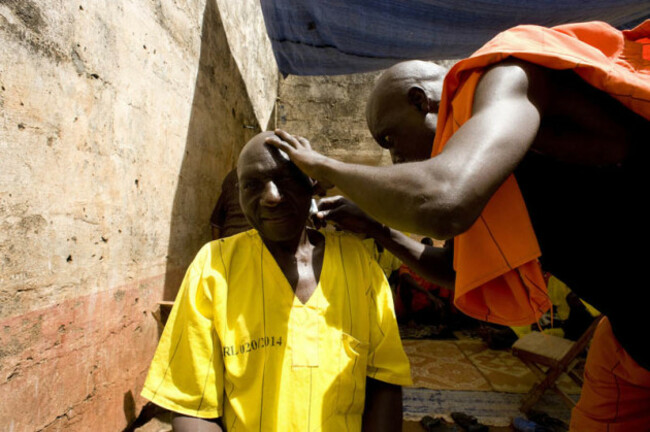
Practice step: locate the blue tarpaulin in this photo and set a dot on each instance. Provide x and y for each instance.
(331, 37)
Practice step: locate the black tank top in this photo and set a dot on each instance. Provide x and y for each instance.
(591, 226)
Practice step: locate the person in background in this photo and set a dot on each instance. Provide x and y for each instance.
(227, 217)
(424, 302)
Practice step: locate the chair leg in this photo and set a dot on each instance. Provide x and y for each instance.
(576, 378)
(565, 397)
(538, 389)
(539, 372)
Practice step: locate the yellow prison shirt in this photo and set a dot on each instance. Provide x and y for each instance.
(386, 260)
(239, 344)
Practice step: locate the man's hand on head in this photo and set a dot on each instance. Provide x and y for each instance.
(346, 215)
(300, 152)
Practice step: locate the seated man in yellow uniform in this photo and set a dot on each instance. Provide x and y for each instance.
(281, 328)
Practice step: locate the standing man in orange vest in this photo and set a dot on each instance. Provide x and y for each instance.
(540, 148)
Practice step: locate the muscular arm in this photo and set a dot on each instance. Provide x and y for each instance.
(435, 264)
(383, 409)
(432, 263)
(442, 197)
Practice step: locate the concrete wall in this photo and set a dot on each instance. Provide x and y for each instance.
(330, 112)
(251, 49)
(118, 121)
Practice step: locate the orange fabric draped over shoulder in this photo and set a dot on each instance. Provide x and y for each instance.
(498, 277)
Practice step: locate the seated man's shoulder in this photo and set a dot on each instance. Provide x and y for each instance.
(229, 244)
(344, 237)
(351, 244)
(242, 237)
(226, 251)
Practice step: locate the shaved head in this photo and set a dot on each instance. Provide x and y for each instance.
(274, 194)
(403, 106)
(256, 145)
(411, 72)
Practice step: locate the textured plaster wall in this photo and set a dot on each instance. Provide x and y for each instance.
(118, 121)
(330, 112)
(251, 49)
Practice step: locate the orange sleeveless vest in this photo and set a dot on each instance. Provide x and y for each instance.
(498, 277)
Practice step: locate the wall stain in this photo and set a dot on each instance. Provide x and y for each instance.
(17, 343)
(39, 46)
(27, 12)
(29, 30)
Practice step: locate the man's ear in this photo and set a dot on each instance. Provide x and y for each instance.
(418, 98)
(319, 188)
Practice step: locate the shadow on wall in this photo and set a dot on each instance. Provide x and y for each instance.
(222, 120)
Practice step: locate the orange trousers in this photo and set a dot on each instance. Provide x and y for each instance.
(616, 392)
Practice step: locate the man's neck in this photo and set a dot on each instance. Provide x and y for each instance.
(289, 248)
(301, 261)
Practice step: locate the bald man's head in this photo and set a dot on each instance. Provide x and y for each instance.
(274, 194)
(402, 110)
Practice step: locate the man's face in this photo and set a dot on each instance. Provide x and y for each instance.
(274, 195)
(401, 128)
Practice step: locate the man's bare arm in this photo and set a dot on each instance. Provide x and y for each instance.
(442, 197)
(433, 263)
(383, 409)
